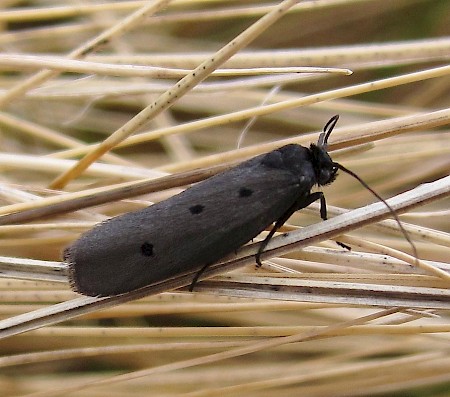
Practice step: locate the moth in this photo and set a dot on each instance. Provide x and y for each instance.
(204, 223)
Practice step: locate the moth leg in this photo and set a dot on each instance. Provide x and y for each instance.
(197, 276)
(323, 215)
(298, 204)
(323, 205)
(280, 222)
(343, 245)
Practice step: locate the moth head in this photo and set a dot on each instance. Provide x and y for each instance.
(325, 168)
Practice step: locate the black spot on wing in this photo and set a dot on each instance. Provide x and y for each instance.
(196, 209)
(147, 249)
(245, 192)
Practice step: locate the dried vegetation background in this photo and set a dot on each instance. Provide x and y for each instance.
(316, 320)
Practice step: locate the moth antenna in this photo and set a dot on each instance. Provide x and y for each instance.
(323, 137)
(391, 210)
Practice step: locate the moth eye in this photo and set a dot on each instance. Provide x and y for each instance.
(147, 249)
(196, 209)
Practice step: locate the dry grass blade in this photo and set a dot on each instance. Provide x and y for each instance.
(333, 227)
(240, 351)
(179, 89)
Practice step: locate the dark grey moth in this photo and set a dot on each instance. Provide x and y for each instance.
(197, 227)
